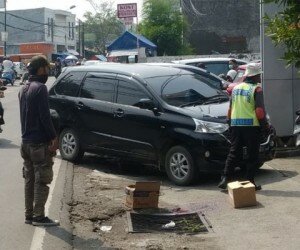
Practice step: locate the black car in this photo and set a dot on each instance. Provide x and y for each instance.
(168, 117)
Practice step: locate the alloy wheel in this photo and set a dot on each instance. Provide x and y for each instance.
(179, 165)
(68, 144)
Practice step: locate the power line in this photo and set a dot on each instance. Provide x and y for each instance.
(37, 31)
(32, 21)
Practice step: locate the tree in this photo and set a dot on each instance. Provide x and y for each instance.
(284, 29)
(164, 24)
(102, 28)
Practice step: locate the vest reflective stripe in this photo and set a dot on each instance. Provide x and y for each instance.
(243, 105)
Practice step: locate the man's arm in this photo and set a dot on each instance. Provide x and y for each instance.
(44, 113)
(260, 110)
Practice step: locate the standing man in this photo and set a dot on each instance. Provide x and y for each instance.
(39, 142)
(247, 118)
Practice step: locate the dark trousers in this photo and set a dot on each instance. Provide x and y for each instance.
(242, 137)
(37, 171)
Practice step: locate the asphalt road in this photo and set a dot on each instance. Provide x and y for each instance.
(14, 234)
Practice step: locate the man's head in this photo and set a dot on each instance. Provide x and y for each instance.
(253, 72)
(233, 64)
(39, 66)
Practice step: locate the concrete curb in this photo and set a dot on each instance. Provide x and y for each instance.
(287, 152)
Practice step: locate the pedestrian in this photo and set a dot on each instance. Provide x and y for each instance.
(247, 117)
(39, 142)
(201, 65)
(231, 75)
(233, 65)
(58, 66)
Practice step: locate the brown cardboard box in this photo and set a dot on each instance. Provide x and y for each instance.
(142, 195)
(242, 194)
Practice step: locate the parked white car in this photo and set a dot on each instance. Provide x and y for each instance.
(20, 69)
(216, 65)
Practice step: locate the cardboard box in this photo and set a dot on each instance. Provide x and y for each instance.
(142, 195)
(242, 194)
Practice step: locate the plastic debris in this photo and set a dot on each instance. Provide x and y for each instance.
(105, 228)
(169, 225)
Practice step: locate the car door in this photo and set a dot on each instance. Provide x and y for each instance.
(63, 97)
(136, 129)
(94, 108)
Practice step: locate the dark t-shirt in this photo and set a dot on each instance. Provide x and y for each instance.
(36, 123)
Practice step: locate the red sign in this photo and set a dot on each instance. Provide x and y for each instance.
(127, 10)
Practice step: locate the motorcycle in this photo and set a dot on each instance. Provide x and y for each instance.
(8, 77)
(297, 128)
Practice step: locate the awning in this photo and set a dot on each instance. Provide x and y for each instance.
(73, 52)
(116, 53)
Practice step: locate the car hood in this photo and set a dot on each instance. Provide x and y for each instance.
(214, 111)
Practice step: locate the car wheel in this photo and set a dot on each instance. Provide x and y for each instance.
(69, 145)
(180, 166)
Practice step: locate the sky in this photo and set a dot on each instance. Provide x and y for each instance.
(81, 5)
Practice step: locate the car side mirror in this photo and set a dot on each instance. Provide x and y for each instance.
(146, 103)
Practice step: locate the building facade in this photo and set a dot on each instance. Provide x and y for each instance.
(39, 30)
(227, 26)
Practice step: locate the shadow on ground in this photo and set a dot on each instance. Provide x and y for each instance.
(7, 144)
(206, 181)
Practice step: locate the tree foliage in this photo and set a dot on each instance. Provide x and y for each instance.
(102, 28)
(163, 24)
(284, 29)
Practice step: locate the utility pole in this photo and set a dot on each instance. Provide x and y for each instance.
(5, 28)
(82, 40)
(79, 37)
(52, 30)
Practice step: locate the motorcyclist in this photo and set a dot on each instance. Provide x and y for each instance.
(8, 67)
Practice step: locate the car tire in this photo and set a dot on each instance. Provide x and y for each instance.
(180, 167)
(69, 145)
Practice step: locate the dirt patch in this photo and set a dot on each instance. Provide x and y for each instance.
(98, 200)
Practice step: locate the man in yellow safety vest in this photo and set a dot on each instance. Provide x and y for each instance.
(247, 118)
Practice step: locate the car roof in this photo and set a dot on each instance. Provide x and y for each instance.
(139, 70)
(208, 59)
(184, 66)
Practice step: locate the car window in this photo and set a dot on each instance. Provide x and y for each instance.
(181, 89)
(217, 68)
(70, 84)
(129, 93)
(99, 88)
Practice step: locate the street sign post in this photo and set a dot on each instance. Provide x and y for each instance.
(127, 10)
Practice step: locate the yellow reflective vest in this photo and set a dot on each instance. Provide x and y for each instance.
(243, 105)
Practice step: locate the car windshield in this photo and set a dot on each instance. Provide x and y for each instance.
(184, 89)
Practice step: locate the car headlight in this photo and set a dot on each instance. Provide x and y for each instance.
(210, 127)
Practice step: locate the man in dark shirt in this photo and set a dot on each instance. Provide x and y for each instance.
(39, 142)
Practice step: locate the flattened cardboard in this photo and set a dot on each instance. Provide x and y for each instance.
(242, 194)
(142, 195)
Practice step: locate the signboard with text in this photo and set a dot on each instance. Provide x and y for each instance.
(128, 20)
(127, 10)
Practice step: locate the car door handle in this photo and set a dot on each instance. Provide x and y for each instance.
(119, 113)
(80, 105)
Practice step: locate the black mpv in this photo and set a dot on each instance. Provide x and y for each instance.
(168, 117)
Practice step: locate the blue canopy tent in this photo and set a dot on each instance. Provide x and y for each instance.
(128, 41)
